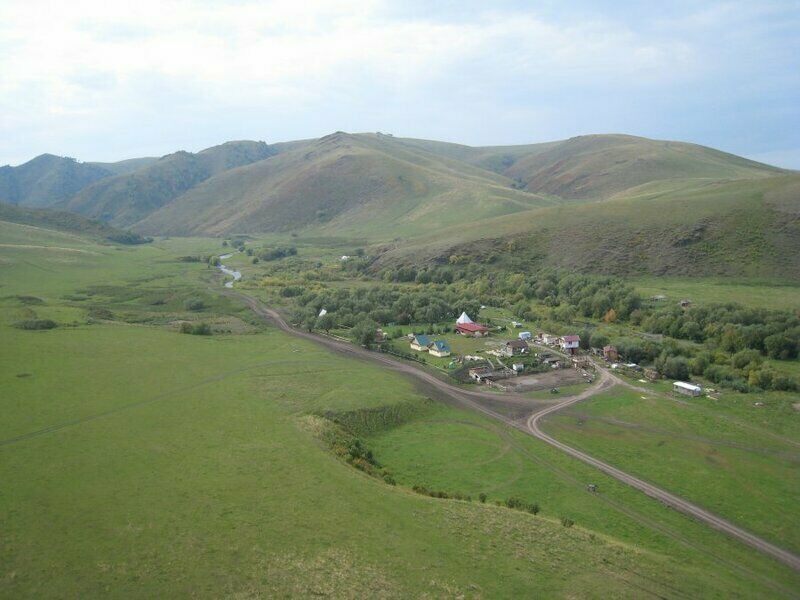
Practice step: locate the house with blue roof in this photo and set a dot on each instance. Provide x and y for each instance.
(440, 348)
(420, 343)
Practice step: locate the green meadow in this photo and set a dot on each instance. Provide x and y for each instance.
(765, 294)
(138, 461)
(737, 459)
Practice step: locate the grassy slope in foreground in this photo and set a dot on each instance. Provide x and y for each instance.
(746, 228)
(198, 480)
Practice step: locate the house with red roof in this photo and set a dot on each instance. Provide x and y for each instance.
(472, 329)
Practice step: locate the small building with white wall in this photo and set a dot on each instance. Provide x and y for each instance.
(687, 389)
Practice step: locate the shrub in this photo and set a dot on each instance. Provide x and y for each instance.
(482, 497)
(194, 304)
(567, 522)
(195, 328)
(36, 324)
(98, 312)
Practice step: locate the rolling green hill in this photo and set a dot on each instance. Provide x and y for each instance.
(66, 222)
(47, 180)
(370, 184)
(735, 228)
(126, 198)
(613, 203)
(599, 166)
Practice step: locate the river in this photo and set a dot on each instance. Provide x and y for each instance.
(235, 274)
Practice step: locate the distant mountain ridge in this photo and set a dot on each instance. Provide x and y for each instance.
(129, 197)
(47, 180)
(611, 203)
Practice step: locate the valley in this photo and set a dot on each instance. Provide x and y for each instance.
(212, 385)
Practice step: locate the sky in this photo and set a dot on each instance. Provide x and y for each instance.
(108, 80)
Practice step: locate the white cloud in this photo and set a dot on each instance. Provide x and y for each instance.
(96, 66)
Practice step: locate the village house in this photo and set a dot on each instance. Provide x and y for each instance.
(515, 347)
(570, 343)
(471, 329)
(687, 389)
(439, 348)
(524, 335)
(420, 343)
(610, 353)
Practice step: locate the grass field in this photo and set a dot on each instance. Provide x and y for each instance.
(147, 463)
(710, 455)
(756, 293)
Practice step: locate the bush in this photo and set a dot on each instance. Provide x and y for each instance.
(517, 504)
(194, 304)
(98, 312)
(36, 324)
(567, 522)
(195, 328)
(482, 497)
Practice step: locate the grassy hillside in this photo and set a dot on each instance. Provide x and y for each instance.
(125, 199)
(65, 222)
(599, 166)
(47, 180)
(739, 228)
(189, 465)
(367, 184)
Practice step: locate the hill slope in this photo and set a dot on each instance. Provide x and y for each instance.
(66, 222)
(47, 180)
(364, 183)
(599, 166)
(125, 199)
(736, 228)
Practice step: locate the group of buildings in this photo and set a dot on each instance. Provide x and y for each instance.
(423, 343)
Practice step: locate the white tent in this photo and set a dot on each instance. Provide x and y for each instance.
(464, 318)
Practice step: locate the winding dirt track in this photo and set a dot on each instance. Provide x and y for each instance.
(470, 399)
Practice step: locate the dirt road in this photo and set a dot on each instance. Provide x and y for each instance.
(531, 426)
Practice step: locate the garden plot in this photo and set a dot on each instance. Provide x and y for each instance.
(541, 381)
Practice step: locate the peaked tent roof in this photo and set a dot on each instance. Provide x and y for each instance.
(464, 318)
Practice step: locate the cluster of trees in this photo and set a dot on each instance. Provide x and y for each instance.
(744, 371)
(380, 305)
(606, 298)
(268, 254)
(731, 328)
